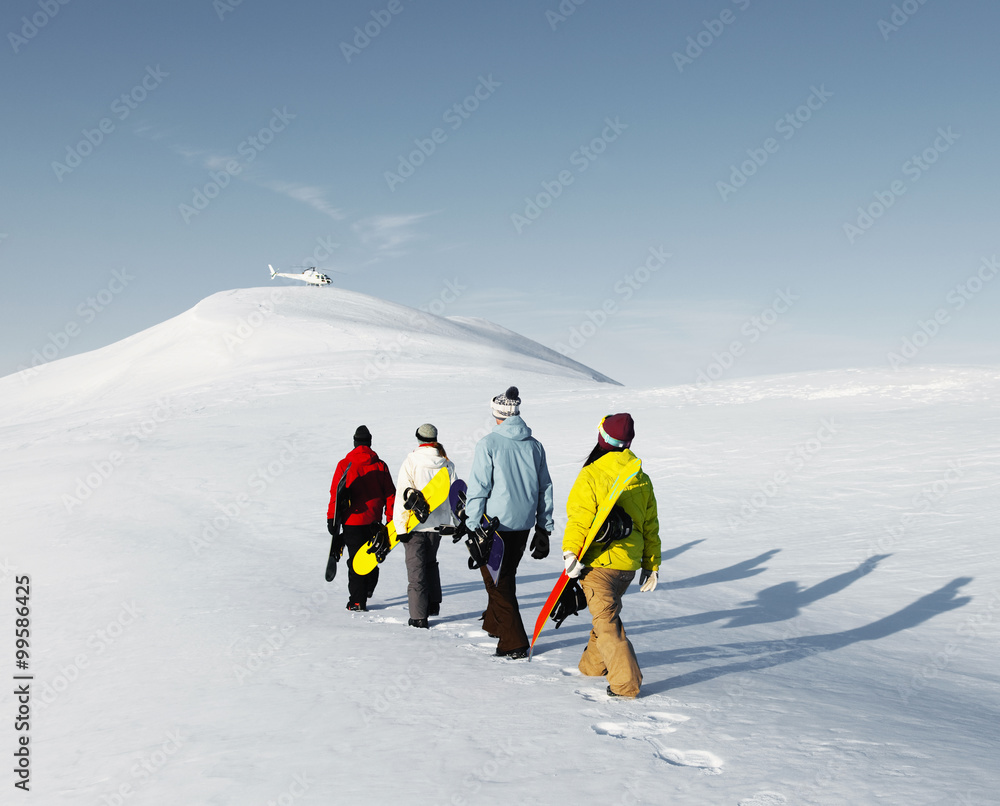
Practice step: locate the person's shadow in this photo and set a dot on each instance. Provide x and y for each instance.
(784, 601)
(777, 603)
(753, 655)
(669, 554)
(747, 568)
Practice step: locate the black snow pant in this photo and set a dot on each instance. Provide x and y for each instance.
(360, 587)
(424, 590)
(503, 617)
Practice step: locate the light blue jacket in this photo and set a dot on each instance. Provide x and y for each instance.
(510, 479)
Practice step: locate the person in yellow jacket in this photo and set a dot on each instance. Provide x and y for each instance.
(607, 568)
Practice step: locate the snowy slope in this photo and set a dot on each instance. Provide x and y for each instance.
(825, 631)
(330, 335)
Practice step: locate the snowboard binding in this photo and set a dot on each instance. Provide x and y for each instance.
(380, 544)
(617, 526)
(460, 530)
(414, 501)
(571, 601)
(479, 541)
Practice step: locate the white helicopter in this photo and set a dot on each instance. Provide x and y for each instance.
(310, 276)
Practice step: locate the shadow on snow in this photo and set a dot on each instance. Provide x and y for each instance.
(754, 655)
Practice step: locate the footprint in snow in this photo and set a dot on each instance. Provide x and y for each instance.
(765, 799)
(689, 758)
(663, 716)
(528, 680)
(653, 725)
(594, 694)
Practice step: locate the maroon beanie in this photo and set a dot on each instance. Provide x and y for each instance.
(615, 432)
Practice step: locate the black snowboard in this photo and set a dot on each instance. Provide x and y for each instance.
(340, 505)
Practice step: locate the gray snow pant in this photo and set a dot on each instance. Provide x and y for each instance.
(424, 589)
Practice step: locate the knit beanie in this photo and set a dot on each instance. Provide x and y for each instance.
(427, 433)
(506, 405)
(616, 432)
(362, 436)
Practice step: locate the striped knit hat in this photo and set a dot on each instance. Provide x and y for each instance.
(506, 405)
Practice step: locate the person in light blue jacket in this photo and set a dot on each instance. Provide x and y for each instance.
(510, 481)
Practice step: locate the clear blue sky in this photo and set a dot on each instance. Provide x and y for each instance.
(303, 132)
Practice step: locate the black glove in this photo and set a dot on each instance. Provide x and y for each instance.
(329, 527)
(539, 544)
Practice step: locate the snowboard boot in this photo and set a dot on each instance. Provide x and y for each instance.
(514, 654)
(356, 606)
(418, 622)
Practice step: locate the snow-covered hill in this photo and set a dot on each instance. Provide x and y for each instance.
(291, 335)
(825, 631)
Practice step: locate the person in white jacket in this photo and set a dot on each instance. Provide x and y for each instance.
(421, 545)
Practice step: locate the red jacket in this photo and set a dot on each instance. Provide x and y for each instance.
(369, 488)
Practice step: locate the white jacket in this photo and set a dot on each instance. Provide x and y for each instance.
(418, 469)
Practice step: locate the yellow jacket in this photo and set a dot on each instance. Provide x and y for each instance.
(641, 549)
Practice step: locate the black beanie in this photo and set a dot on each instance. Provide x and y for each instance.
(362, 436)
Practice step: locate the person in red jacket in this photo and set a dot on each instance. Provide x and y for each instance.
(369, 491)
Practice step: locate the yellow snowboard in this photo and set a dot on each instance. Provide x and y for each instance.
(435, 492)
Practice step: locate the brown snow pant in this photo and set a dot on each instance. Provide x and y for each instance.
(609, 652)
(502, 617)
